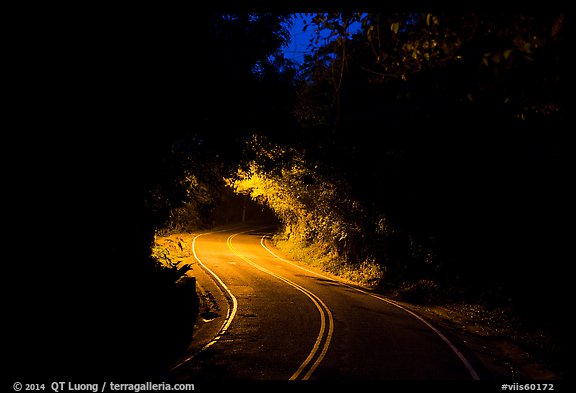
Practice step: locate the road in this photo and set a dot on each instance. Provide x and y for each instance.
(284, 321)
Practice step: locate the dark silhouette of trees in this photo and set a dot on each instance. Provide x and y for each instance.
(427, 146)
(449, 132)
(138, 115)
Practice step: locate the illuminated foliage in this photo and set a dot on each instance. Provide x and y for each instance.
(315, 215)
(319, 214)
(311, 207)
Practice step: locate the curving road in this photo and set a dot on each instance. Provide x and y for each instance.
(283, 321)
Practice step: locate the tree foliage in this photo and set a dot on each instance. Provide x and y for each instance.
(451, 129)
(432, 144)
(312, 207)
(138, 118)
(513, 59)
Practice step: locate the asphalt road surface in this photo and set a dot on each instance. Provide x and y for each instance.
(284, 321)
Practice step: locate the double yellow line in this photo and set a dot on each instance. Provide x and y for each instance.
(326, 320)
(459, 354)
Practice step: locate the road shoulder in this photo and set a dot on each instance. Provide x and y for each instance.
(213, 304)
(502, 358)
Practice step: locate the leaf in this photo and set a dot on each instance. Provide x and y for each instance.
(394, 27)
(526, 48)
(506, 54)
(369, 33)
(428, 19)
(557, 26)
(496, 57)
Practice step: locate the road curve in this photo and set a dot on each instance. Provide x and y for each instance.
(287, 322)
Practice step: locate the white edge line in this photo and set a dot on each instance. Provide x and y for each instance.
(459, 354)
(231, 310)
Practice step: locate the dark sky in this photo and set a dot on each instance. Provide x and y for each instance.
(300, 41)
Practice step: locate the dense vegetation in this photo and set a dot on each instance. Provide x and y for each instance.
(434, 146)
(424, 148)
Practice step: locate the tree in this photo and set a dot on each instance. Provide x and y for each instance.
(430, 117)
(139, 110)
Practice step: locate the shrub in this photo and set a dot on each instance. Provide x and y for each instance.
(423, 291)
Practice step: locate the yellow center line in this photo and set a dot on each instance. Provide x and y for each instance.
(322, 309)
(459, 354)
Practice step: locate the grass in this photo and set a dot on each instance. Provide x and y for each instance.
(318, 255)
(523, 351)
